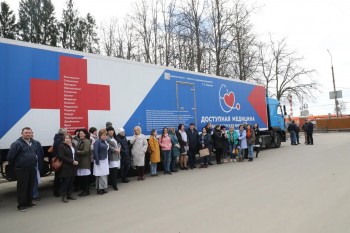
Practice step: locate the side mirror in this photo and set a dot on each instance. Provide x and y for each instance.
(284, 110)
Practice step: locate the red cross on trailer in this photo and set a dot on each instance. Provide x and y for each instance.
(71, 94)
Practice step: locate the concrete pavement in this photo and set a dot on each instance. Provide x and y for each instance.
(291, 189)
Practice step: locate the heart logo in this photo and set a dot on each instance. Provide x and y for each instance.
(229, 99)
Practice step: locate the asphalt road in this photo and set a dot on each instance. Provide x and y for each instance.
(291, 189)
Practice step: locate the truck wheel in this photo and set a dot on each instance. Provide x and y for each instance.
(276, 140)
(2, 170)
(8, 172)
(45, 169)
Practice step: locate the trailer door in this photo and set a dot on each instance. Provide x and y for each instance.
(186, 102)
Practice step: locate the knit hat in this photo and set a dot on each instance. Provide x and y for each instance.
(120, 130)
(109, 128)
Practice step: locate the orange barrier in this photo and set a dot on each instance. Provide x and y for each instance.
(333, 124)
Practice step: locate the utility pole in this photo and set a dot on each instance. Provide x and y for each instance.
(335, 92)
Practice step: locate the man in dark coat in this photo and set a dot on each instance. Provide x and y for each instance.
(125, 156)
(193, 139)
(22, 156)
(297, 134)
(309, 131)
(292, 129)
(304, 129)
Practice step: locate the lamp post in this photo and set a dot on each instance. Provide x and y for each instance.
(335, 92)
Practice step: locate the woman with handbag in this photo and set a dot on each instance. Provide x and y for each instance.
(84, 158)
(232, 137)
(205, 147)
(66, 153)
(154, 152)
(139, 148)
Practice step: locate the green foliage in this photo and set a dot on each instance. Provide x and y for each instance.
(37, 22)
(8, 27)
(76, 32)
(68, 25)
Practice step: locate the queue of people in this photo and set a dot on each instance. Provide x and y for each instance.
(94, 158)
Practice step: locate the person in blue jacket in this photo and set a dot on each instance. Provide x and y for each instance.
(242, 143)
(101, 166)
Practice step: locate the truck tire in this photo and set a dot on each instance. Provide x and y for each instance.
(8, 172)
(276, 140)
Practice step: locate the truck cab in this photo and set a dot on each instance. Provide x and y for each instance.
(276, 132)
(275, 113)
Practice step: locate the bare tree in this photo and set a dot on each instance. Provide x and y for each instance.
(121, 40)
(168, 29)
(192, 18)
(289, 76)
(220, 39)
(155, 29)
(341, 108)
(108, 39)
(266, 66)
(143, 27)
(245, 50)
(129, 38)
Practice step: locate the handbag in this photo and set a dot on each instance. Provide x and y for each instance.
(149, 150)
(50, 150)
(204, 152)
(56, 164)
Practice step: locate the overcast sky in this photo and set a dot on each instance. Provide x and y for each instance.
(310, 26)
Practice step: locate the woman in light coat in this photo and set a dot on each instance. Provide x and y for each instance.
(155, 152)
(139, 148)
